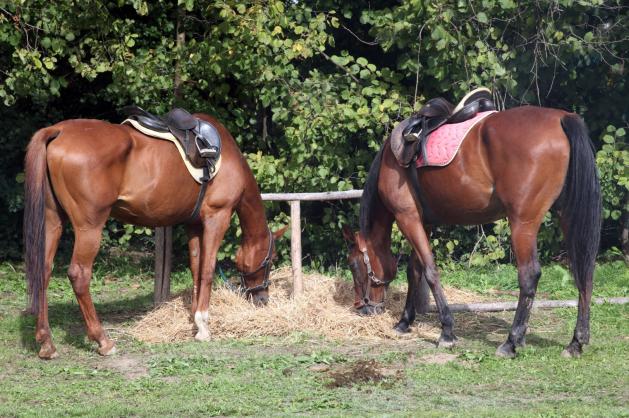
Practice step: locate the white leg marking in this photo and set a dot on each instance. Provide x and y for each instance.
(201, 319)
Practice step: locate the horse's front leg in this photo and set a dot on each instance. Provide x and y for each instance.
(214, 227)
(194, 232)
(411, 226)
(414, 272)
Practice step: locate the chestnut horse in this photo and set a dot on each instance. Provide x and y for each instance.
(518, 164)
(85, 171)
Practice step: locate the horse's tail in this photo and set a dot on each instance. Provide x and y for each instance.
(370, 196)
(580, 202)
(35, 184)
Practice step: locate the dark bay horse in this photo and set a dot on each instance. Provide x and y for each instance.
(85, 171)
(518, 164)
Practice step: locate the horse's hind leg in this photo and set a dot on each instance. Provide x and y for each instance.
(54, 227)
(581, 334)
(86, 245)
(524, 245)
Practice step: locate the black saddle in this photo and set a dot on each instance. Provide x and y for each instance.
(408, 143)
(199, 139)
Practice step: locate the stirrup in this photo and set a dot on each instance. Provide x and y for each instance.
(210, 152)
(412, 136)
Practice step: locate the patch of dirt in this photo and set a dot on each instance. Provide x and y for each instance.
(129, 366)
(362, 371)
(437, 358)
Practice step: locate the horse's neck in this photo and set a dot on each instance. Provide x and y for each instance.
(250, 210)
(380, 239)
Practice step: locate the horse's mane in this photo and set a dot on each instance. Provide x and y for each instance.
(370, 196)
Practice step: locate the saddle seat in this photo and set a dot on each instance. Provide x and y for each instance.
(410, 143)
(199, 139)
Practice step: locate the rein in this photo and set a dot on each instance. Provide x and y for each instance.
(265, 264)
(372, 281)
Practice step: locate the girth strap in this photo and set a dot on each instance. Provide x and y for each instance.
(207, 170)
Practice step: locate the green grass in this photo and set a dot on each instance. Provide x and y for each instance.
(292, 375)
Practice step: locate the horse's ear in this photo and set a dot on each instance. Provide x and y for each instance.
(277, 234)
(348, 234)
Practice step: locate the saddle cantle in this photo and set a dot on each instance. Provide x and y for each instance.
(199, 139)
(408, 139)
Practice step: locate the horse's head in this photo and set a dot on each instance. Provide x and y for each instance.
(372, 268)
(254, 274)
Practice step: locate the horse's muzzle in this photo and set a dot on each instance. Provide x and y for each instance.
(367, 310)
(261, 298)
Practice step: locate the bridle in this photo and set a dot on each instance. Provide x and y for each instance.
(265, 264)
(372, 281)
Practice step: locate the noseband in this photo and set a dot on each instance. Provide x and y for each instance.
(265, 264)
(372, 281)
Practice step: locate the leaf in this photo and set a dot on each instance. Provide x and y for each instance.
(482, 17)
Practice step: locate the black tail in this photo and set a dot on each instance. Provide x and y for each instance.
(580, 202)
(370, 193)
(35, 184)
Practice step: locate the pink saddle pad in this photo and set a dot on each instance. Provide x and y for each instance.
(443, 144)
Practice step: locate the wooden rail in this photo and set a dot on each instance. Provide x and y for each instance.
(511, 306)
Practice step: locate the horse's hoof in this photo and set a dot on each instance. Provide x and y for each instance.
(571, 352)
(48, 352)
(107, 349)
(202, 336)
(402, 329)
(446, 343)
(403, 332)
(506, 350)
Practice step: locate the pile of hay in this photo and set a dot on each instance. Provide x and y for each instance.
(324, 310)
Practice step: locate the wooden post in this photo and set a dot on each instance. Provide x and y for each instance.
(163, 263)
(295, 247)
(164, 235)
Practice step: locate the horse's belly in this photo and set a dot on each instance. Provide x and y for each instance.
(157, 189)
(460, 198)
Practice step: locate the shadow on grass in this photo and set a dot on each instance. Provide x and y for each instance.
(67, 316)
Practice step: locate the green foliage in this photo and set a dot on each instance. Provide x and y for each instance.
(613, 163)
(310, 89)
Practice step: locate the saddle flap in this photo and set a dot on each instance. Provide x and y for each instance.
(404, 151)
